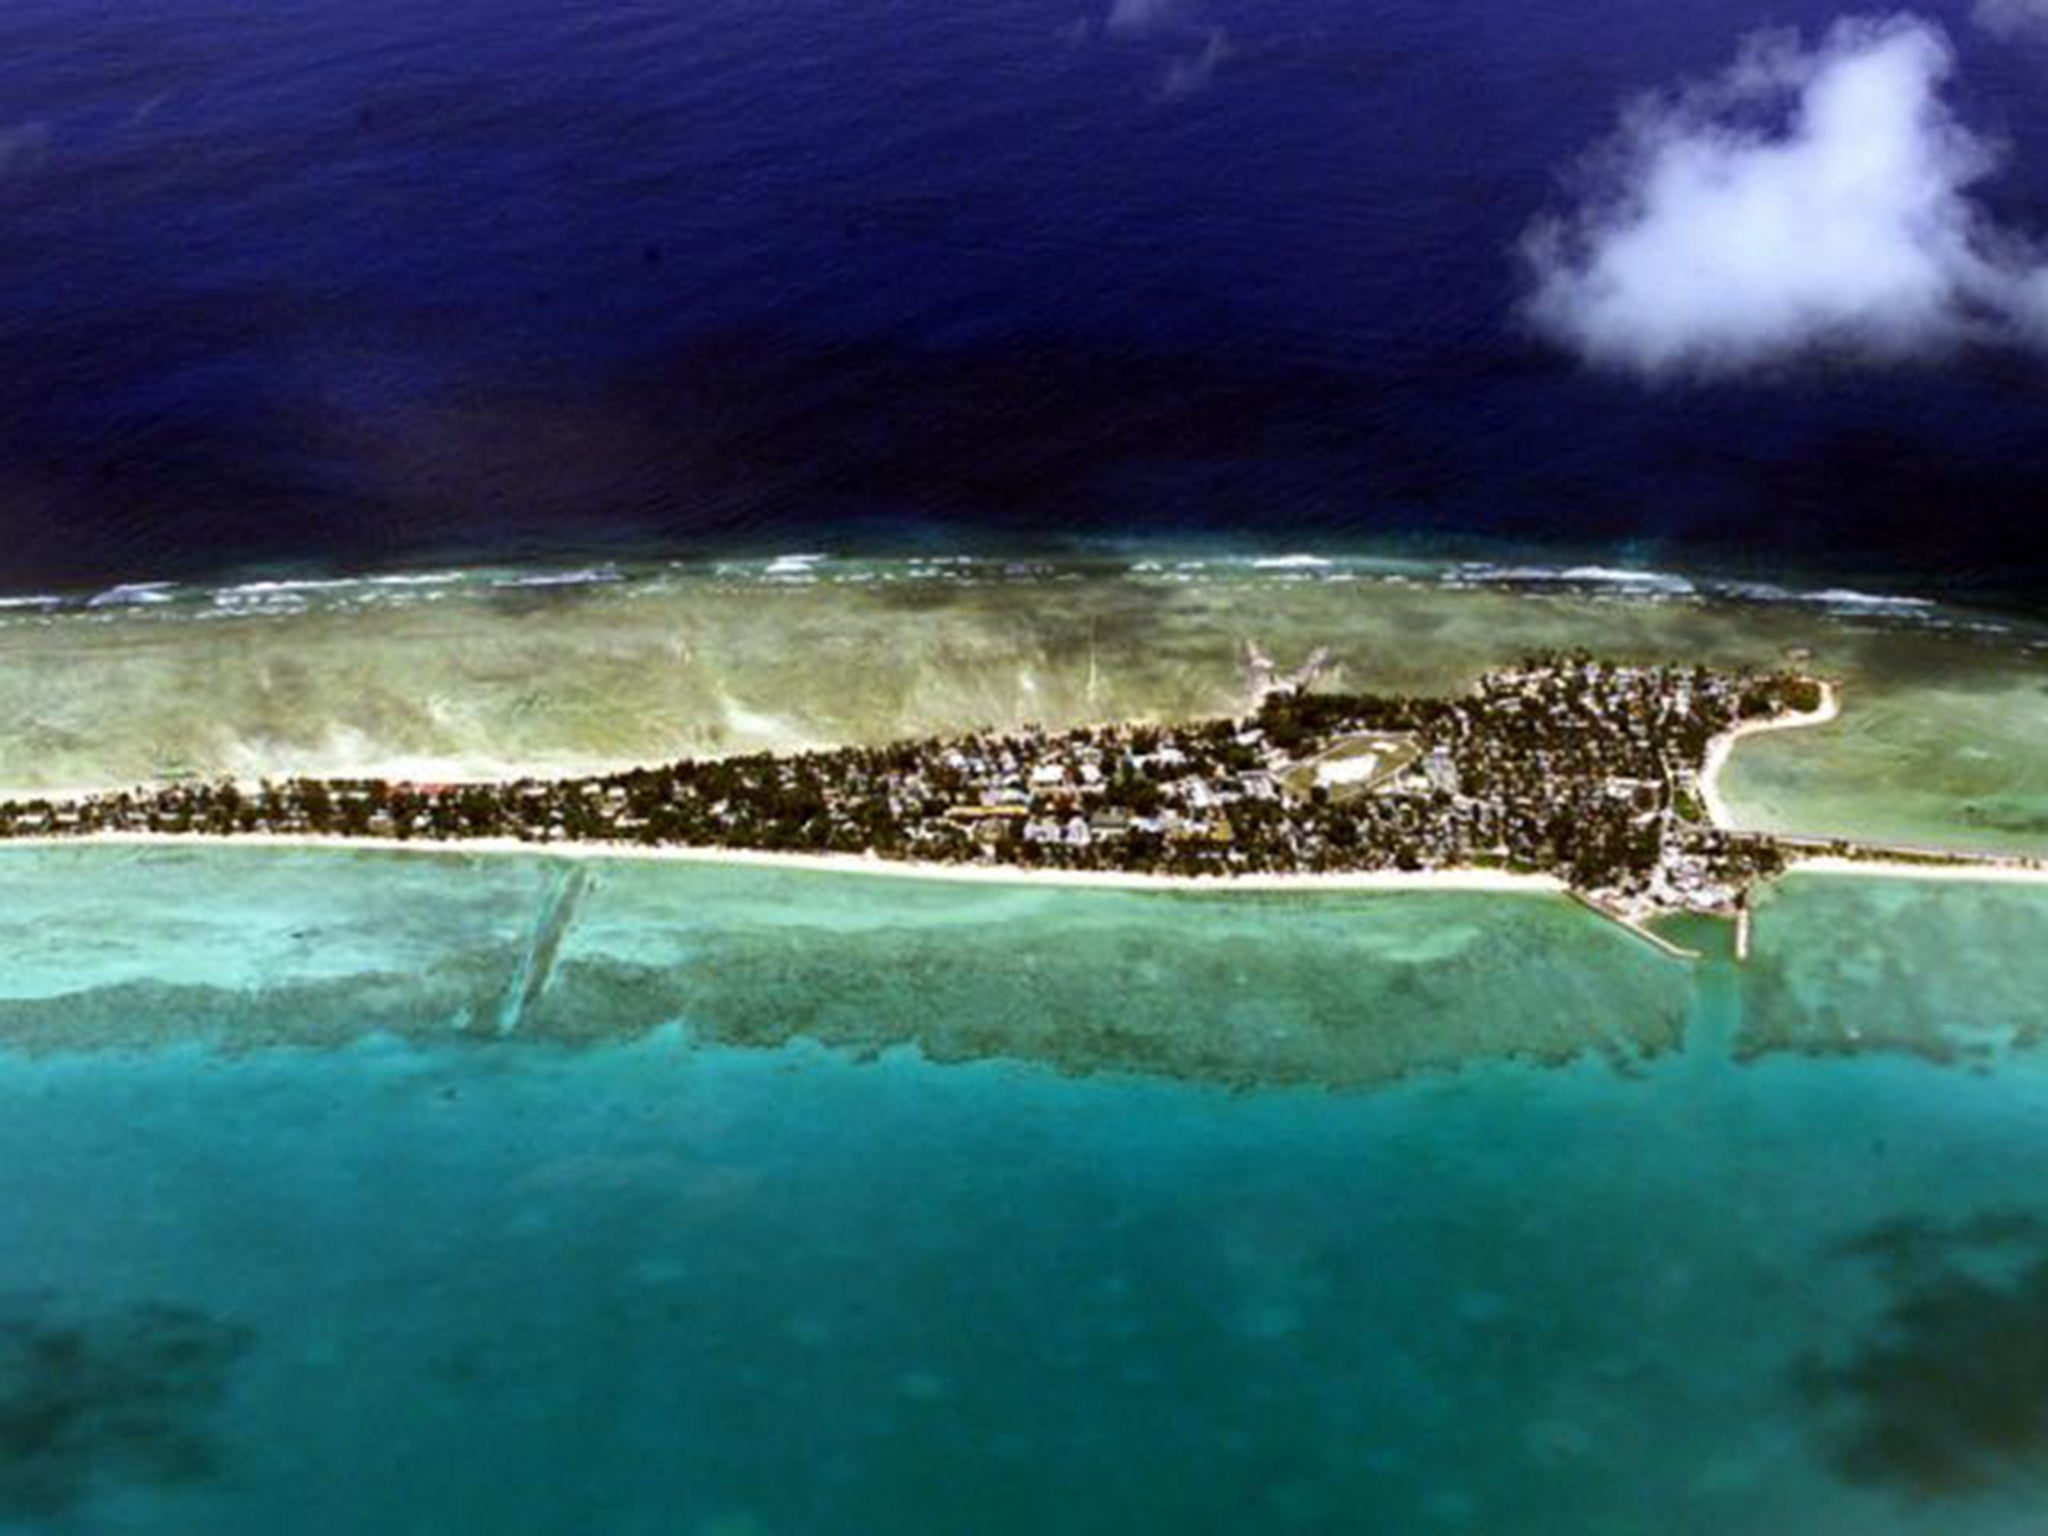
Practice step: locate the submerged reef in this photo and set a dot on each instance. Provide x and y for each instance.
(90, 1399)
(1946, 1395)
(1945, 969)
(249, 948)
(242, 948)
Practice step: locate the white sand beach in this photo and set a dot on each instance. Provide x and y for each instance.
(1458, 879)
(1988, 871)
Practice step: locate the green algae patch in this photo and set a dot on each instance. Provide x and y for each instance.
(1947, 969)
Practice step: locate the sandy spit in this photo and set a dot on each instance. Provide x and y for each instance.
(1723, 746)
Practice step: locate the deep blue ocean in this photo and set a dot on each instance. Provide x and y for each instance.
(387, 283)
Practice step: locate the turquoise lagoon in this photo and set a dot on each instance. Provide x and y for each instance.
(416, 1193)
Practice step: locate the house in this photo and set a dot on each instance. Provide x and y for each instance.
(1110, 823)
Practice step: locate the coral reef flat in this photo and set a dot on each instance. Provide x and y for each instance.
(472, 676)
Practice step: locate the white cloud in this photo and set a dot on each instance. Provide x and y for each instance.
(2012, 18)
(1135, 16)
(1808, 201)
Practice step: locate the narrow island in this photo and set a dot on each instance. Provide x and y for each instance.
(1593, 777)
(1592, 773)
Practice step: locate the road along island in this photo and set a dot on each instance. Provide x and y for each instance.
(1591, 774)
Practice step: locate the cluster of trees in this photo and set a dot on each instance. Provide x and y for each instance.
(1295, 721)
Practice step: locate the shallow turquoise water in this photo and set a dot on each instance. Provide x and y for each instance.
(420, 1279)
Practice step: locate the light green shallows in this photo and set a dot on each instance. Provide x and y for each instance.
(245, 947)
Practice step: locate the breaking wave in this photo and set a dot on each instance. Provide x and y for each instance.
(291, 596)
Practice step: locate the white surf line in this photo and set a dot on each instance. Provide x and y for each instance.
(1719, 814)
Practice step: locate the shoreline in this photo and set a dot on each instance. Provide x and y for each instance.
(490, 773)
(1986, 872)
(1719, 814)
(1463, 878)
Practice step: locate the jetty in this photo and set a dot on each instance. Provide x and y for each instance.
(1634, 925)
